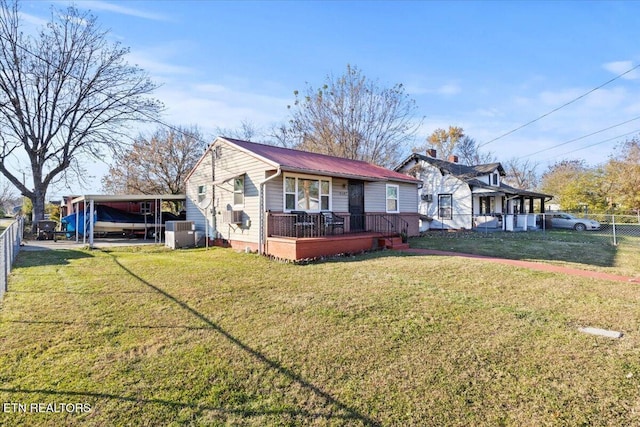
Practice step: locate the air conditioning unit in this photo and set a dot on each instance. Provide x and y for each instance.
(427, 197)
(179, 234)
(232, 217)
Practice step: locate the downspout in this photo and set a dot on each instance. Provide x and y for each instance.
(263, 203)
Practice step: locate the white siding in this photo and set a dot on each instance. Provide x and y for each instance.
(274, 195)
(231, 163)
(435, 184)
(203, 175)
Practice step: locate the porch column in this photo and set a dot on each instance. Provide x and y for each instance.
(542, 209)
(531, 205)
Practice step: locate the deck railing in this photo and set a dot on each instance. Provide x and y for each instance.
(306, 225)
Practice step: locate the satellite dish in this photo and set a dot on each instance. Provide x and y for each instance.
(204, 203)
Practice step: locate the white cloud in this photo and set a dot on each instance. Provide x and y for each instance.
(119, 9)
(33, 20)
(212, 105)
(154, 65)
(449, 89)
(620, 67)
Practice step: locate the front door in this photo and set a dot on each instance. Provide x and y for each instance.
(356, 205)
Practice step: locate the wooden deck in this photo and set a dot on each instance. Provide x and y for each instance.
(291, 248)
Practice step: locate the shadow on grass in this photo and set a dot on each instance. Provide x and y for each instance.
(348, 413)
(163, 402)
(587, 248)
(48, 257)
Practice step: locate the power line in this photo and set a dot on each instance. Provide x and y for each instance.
(560, 107)
(582, 137)
(596, 143)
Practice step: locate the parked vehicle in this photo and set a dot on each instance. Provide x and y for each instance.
(565, 220)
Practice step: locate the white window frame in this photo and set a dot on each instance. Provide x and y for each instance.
(239, 192)
(202, 192)
(297, 178)
(145, 207)
(441, 198)
(387, 198)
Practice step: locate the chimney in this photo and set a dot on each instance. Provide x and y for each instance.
(453, 158)
(431, 152)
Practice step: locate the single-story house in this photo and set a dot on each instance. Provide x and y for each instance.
(293, 204)
(457, 196)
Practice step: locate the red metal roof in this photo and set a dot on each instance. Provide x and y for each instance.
(322, 164)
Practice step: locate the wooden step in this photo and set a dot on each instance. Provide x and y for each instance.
(392, 243)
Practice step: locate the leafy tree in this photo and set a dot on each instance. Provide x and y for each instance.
(623, 172)
(445, 141)
(53, 211)
(574, 184)
(452, 141)
(156, 164)
(353, 117)
(65, 95)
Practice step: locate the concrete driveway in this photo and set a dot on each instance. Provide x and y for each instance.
(44, 245)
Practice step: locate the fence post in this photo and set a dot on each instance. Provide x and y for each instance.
(10, 241)
(4, 265)
(613, 225)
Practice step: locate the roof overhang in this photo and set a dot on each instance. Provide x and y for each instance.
(104, 198)
(316, 172)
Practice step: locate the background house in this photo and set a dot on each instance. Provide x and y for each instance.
(458, 196)
(276, 200)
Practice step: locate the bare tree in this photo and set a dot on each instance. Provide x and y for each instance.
(8, 197)
(65, 95)
(247, 131)
(157, 164)
(469, 154)
(521, 173)
(353, 117)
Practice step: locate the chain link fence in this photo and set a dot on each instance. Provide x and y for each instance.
(608, 228)
(10, 241)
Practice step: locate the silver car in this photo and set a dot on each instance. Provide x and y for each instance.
(565, 220)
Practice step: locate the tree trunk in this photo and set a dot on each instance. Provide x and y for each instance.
(37, 201)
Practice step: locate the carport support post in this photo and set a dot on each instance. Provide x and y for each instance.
(91, 214)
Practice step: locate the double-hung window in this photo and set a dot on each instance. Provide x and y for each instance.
(445, 206)
(202, 192)
(238, 191)
(393, 193)
(307, 193)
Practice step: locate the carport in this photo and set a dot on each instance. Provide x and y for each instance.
(89, 202)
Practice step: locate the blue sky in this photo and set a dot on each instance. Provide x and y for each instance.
(488, 67)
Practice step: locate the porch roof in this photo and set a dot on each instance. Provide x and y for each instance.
(492, 190)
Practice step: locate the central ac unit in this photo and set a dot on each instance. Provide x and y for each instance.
(180, 234)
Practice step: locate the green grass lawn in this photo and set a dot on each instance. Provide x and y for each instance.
(588, 250)
(152, 337)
